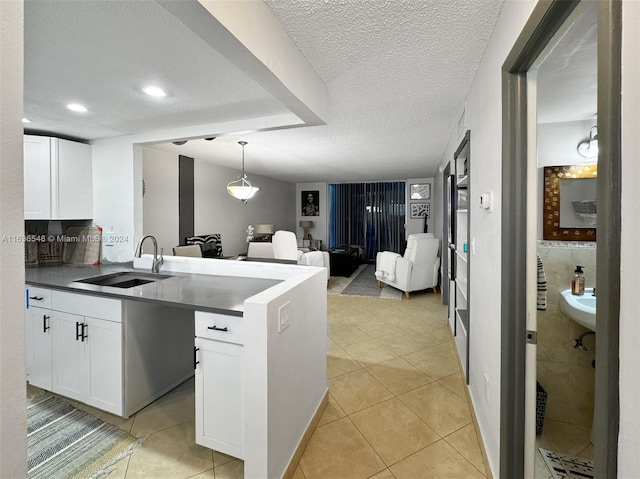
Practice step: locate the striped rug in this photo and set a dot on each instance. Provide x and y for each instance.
(365, 284)
(64, 442)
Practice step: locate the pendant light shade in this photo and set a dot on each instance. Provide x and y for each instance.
(242, 188)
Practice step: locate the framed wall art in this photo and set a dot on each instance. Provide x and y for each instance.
(420, 191)
(310, 203)
(419, 210)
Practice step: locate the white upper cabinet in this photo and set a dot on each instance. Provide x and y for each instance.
(57, 179)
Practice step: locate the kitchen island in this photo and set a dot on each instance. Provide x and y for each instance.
(260, 347)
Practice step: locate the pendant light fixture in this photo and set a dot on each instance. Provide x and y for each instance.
(242, 188)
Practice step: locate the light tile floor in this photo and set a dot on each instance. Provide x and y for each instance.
(397, 406)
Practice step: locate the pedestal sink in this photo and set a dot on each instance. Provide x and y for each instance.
(582, 309)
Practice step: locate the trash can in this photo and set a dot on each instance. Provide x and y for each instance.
(541, 406)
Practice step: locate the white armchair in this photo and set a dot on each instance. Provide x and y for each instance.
(285, 245)
(416, 270)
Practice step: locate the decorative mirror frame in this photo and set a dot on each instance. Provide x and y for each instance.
(551, 208)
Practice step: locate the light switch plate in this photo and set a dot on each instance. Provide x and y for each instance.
(283, 316)
(486, 201)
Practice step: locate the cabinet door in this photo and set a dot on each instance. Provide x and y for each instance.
(67, 354)
(73, 190)
(219, 399)
(37, 177)
(103, 365)
(39, 347)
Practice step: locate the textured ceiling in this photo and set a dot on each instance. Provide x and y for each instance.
(397, 74)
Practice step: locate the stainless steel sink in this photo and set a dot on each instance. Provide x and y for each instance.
(125, 279)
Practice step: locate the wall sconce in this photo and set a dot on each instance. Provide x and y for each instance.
(306, 225)
(589, 149)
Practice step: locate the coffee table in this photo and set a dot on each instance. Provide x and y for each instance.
(344, 261)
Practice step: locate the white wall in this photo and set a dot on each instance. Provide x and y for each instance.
(558, 142)
(484, 119)
(117, 195)
(217, 212)
(13, 436)
(214, 210)
(320, 230)
(160, 201)
(629, 437)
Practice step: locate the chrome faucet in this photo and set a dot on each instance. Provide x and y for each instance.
(157, 262)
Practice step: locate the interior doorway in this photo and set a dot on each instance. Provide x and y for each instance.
(538, 39)
(562, 93)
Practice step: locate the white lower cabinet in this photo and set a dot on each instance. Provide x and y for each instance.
(87, 360)
(38, 325)
(115, 355)
(219, 391)
(67, 355)
(72, 353)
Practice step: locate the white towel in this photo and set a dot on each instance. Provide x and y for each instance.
(542, 287)
(387, 267)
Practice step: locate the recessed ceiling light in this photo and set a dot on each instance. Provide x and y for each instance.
(26, 120)
(76, 107)
(154, 91)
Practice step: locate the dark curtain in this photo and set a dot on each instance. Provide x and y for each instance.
(371, 215)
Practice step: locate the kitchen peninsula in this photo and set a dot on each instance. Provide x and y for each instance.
(260, 345)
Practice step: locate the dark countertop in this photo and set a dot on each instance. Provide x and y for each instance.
(201, 292)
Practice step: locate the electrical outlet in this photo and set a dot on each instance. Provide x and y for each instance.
(108, 238)
(283, 317)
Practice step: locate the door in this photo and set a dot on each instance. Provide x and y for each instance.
(39, 347)
(103, 365)
(73, 189)
(37, 177)
(67, 354)
(219, 404)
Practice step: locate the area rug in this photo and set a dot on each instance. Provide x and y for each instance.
(364, 283)
(64, 442)
(564, 466)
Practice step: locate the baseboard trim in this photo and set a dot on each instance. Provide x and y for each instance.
(295, 460)
(487, 469)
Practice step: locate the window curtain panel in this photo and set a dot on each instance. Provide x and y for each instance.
(371, 215)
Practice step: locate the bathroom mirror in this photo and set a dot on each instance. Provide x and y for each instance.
(570, 202)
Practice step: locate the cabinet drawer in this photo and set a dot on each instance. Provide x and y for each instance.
(87, 305)
(227, 328)
(40, 297)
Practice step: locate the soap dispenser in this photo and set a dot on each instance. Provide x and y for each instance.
(577, 284)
